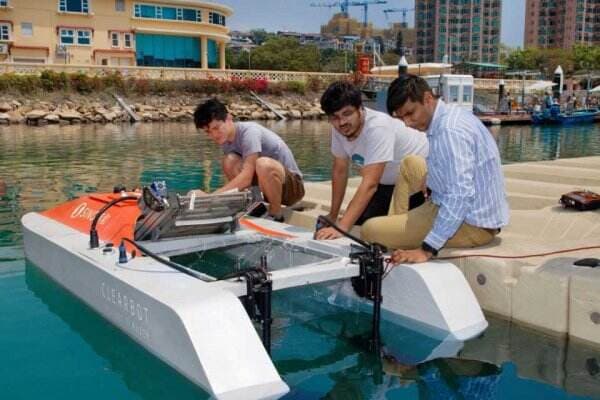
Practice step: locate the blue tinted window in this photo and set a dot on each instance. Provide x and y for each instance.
(189, 14)
(148, 11)
(84, 37)
(169, 13)
(5, 32)
(66, 36)
(215, 18)
(168, 51)
(74, 6)
(165, 12)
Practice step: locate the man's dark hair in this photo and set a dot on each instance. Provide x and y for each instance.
(407, 87)
(209, 111)
(339, 95)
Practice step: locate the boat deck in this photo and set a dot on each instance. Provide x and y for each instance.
(545, 292)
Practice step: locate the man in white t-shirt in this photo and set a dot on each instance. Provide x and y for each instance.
(375, 144)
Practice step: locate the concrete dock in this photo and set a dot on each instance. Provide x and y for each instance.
(547, 292)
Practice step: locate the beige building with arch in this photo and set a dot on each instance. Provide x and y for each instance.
(159, 33)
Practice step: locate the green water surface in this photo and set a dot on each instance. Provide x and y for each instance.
(54, 347)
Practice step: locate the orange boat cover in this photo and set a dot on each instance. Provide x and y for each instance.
(116, 223)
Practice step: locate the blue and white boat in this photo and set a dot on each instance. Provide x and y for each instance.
(554, 116)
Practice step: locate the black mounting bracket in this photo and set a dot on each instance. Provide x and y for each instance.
(368, 284)
(257, 301)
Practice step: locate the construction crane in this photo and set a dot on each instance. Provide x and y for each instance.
(345, 4)
(404, 11)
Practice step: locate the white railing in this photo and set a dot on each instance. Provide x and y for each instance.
(166, 73)
(511, 85)
(515, 85)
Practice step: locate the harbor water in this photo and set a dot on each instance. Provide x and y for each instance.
(55, 347)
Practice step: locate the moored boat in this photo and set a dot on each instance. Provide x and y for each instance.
(553, 116)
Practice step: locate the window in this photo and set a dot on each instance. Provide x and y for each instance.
(4, 31)
(114, 39)
(467, 93)
(167, 12)
(67, 36)
(70, 36)
(128, 40)
(84, 37)
(77, 6)
(216, 18)
(119, 5)
(26, 29)
(453, 93)
(3, 3)
(191, 15)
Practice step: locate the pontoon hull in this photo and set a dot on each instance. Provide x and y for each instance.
(198, 330)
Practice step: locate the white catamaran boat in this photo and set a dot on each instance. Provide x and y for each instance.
(202, 322)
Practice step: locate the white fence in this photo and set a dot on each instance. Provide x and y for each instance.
(166, 73)
(514, 85)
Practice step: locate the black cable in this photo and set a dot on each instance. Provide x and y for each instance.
(327, 221)
(94, 241)
(178, 267)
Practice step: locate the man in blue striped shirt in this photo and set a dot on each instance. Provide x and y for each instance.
(467, 206)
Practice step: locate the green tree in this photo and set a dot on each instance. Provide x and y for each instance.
(285, 54)
(337, 60)
(237, 59)
(259, 36)
(586, 58)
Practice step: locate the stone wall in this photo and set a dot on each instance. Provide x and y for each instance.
(153, 109)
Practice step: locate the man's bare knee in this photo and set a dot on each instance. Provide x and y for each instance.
(232, 165)
(268, 168)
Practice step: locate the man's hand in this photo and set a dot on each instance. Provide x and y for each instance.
(327, 234)
(414, 256)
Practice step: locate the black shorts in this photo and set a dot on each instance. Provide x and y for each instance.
(380, 203)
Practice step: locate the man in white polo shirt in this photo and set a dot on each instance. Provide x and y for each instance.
(375, 144)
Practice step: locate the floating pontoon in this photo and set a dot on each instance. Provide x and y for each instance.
(200, 299)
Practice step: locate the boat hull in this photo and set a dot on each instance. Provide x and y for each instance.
(200, 331)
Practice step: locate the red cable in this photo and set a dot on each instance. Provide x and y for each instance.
(516, 257)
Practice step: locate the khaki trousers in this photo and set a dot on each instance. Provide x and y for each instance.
(404, 229)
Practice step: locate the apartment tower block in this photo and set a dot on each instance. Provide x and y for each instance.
(458, 30)
(562, 23)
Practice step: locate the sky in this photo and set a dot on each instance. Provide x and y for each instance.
(299, 16)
